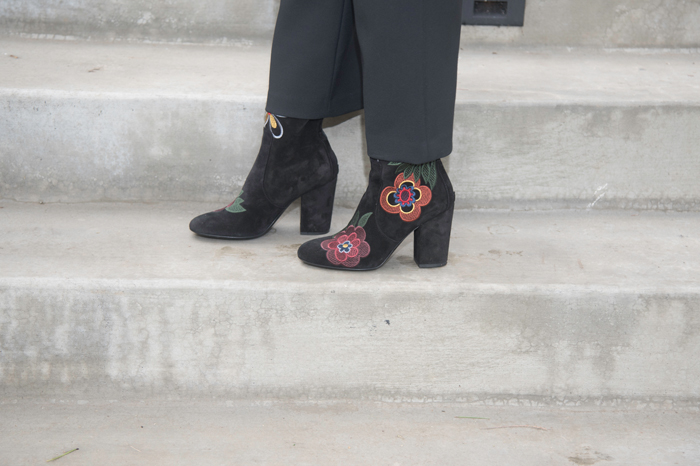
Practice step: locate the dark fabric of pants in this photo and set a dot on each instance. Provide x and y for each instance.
(397, 59)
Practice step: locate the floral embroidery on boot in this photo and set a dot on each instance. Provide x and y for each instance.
(236, 207)
(405, 198)
(276, 128)
(349, 246)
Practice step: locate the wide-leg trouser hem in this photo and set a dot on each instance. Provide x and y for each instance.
(311, 109)
(397, 150)
(399, 55)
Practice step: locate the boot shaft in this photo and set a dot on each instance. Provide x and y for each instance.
(295, 157)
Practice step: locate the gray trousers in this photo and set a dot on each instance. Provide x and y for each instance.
(397, 59)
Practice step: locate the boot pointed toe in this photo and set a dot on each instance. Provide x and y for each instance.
(211, 225)
(197, 224)
(309, 251)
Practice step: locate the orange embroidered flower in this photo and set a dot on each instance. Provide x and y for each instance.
(406, 198)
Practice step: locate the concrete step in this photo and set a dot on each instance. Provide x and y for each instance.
(225, 432)
(536, 128)
(177, 21)
(121, 301)
(600, 23)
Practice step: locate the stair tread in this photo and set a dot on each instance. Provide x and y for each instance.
(486, 75)
(494, 250)
(223, 432)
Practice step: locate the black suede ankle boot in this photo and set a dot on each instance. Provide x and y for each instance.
(295, 160)
(401, 199)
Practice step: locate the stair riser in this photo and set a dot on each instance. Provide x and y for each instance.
(77, 147)
(602, 23)
(482, 344)
(205, 21)
(577, 156)
(598, 23)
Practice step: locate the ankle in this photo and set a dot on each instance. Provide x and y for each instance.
(293, 129)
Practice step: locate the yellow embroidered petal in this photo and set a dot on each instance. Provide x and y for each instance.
(273, 121)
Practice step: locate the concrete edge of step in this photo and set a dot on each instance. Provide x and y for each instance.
(485, 400)
(298, 286)
(260, 99)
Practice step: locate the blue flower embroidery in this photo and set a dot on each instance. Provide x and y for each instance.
(405, 196)
(345, 247)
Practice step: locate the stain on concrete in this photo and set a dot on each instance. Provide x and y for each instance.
(288, 248)
(233, 251)
(405, 260)
(586, 455)
(498, 252)
(499, 230)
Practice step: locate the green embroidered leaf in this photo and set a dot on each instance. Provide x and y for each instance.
(430, 174)
(355, 217)
(400, 166)
(426, 171)
(236, 206)
(364, 219)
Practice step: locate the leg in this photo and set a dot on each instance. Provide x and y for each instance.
(314, 73)
(409, 51)
(315, 67)
(409, 58)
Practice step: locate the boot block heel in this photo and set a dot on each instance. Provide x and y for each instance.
(431, 241)
(317, 209)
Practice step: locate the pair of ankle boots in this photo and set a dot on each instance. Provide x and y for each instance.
(296, 161)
